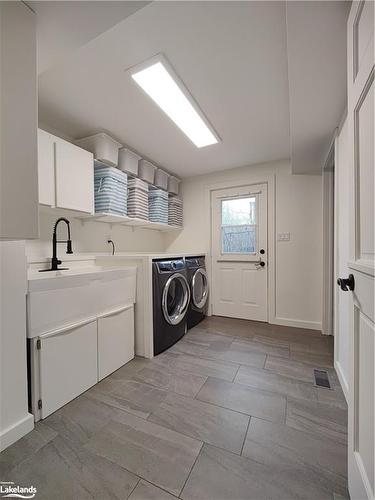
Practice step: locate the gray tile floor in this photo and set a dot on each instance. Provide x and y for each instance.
(228, 413)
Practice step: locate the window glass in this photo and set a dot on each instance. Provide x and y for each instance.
(239, 225)
(238, 211)
(175, 297)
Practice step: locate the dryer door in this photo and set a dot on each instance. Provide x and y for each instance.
(199, 288)
(176, 298)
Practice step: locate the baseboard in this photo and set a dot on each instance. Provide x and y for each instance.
(296, 323)
(16, 431)
(343, 382)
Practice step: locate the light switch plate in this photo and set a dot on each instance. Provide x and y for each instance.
(283, 237)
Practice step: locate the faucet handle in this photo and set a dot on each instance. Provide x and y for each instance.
(69, 246)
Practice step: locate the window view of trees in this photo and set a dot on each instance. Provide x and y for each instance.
(238, 225)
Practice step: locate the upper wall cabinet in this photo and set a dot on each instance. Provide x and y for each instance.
(46, 168)
(19, 123)
(74, 168)
(66, 174)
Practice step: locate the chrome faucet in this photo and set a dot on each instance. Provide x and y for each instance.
(55, 261)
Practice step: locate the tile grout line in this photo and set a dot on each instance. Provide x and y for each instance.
(137, 483)
(191, 470)
(156, 486)
(246, 433)
(286, 410)
(235, 375)
(265, 361)
(237, 411)
(206, 358)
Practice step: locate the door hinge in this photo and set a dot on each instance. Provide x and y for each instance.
(40, 404)
(38, 344)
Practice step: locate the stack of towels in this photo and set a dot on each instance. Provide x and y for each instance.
(158, 205)
(175, 211)
(110, 190)
(138, 198)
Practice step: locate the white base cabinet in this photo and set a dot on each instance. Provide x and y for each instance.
(115, 340)
(68, 365)
(67, 361)
(80, 329)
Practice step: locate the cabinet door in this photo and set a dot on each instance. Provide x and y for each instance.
(68, 365)
(115, 340)
(46, 168)
(74, 177)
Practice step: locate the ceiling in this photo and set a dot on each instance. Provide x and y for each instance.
(242, 63)
(64, 26)
(316, 34)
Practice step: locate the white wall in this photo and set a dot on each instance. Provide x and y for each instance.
(18, 138)
(342, 216)
(298, 263)
(92, 237)
(15, 421)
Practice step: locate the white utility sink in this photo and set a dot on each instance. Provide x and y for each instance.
(83, 272)
(58, 298)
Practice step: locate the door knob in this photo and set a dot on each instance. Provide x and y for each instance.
(346, 284)
(262, 251)
(260, 263)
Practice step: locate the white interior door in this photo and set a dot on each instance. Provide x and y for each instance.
(361, 440)
(239, 252)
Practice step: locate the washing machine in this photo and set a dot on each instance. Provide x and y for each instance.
(171, 297)
(199, 288)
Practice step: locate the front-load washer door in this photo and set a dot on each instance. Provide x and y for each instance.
(199, 288)
(175, 299)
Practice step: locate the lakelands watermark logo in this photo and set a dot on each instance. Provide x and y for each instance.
(12, 490)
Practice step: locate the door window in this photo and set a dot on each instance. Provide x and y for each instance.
(200, 288)
(176, 296)
(239, 225)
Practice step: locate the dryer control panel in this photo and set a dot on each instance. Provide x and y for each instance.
(166, 266)
(195, 262)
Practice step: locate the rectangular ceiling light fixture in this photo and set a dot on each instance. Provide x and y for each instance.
(158, 79)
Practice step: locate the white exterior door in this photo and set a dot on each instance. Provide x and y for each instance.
(361, 439)
(239, 252)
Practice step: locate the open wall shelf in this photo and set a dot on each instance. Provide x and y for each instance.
(108, 219)
(128, 221)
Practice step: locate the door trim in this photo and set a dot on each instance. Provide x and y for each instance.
(329, 255)
(270, 181)
(343, 379)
